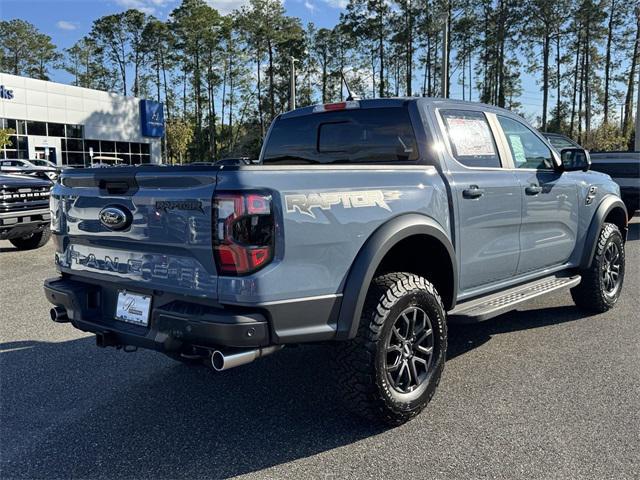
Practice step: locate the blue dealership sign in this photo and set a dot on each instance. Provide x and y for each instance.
(151, 118)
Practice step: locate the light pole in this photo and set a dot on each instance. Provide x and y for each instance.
(637, 145)
(445, 54)
(292, 87)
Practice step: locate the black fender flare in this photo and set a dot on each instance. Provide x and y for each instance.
(369, 258)
(605, 207)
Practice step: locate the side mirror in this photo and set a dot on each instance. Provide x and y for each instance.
(575, 159)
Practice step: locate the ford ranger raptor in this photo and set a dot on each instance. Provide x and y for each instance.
(368, 224)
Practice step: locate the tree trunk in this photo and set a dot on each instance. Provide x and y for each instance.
(428, 65)
(409, 48)
(324, 75)
(271, 86)
(628, 102)
(470, 76)
(260, 112)
(448, 48)
(545, 80)
(558, 96)
(231, 78)
(198, 102)
(164, 81)
(184, 95)
(135, 76)
(607, 63)
(581, 89)
(587, 83)
(224, 96)
(381, 54)
(158, 80)
(576, 73)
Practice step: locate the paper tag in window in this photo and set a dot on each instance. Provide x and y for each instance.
(519, 156)
(470, 136)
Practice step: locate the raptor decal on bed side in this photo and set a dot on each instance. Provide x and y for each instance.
(305, 203)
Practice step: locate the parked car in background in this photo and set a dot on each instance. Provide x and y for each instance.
(28, 167)
(40, 162)
(101, 161)
(235, 161)
(622, 167)
(24, 211)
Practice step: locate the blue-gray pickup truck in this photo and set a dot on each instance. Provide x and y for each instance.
(368, 224)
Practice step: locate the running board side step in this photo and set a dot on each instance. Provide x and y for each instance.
(490, 306)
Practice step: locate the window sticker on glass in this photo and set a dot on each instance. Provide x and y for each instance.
(518, 149)
(471, 136)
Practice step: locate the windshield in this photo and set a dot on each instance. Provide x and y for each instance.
(371, 135)
(40, 163)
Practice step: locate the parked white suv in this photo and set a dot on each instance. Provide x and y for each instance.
(29, 167)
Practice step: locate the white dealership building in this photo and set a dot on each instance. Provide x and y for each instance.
(72, 125)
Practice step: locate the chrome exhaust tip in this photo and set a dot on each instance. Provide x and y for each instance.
(221, 362)
(59, 315)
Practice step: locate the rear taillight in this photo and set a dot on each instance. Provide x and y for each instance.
(243, 232)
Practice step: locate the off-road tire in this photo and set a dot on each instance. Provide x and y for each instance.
(361, 362)
(591, 293)
(35, 240)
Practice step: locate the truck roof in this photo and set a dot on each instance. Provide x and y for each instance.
(434, 102)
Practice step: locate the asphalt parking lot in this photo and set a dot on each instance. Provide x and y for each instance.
(546, 392)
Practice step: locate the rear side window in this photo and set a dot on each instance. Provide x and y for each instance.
(369, 135)
(470, 138)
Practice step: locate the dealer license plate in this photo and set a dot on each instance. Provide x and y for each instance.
(133, 308)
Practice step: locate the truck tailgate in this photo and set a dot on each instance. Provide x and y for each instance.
(165, 241)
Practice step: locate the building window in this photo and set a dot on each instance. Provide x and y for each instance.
(21, 127)
(72, 144)
(122, 147)
(55, 129)
(76, 159)
(144, 148)
(92, 144)
(107, 147)
(74, 131)
(9, 123)
(37, 128)
(17, 148)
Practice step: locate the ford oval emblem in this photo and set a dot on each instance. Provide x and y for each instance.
(114, 218)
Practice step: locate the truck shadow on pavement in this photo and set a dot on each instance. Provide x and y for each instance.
(72, 410)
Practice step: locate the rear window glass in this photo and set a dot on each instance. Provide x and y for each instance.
(370, 135)
(470, 137)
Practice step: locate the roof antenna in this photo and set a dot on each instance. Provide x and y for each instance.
(351, 96)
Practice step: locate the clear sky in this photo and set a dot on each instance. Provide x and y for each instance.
(66, 21)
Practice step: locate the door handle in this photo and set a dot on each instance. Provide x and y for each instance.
(473, 192)
(533, 189)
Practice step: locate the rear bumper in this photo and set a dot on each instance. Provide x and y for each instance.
(173, 324)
